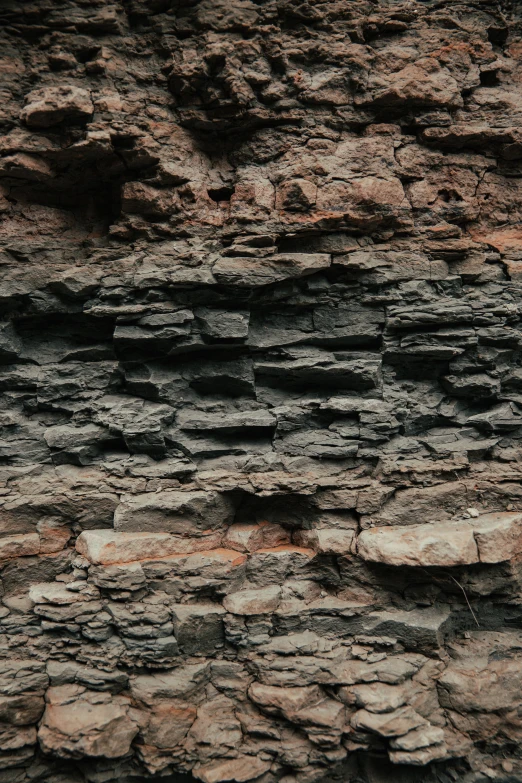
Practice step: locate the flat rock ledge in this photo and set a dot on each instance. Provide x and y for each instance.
(490, 538)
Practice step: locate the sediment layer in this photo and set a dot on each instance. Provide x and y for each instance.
(261, 391)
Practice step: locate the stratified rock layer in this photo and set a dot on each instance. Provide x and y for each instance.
(261, 391)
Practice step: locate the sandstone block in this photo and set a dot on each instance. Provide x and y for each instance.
(182, 682)
(168, 724)
(498, 536)
(95, 679)
(392, 671)
(107, 547)
(53, 536)
(19, 676)
(419, 84)
(51, 105)
(55, 593)
(422, 737)
(79, 723)
(126, 576)
(489, 538)
(418, 629)
(263, 271)
(15, 738)
(178, 512)
(326, 541)
(214, 563)
(388, 724)
(22, 709)
(443, 544)
(249, 538)
(421, 757)
(286, 701)
(19, 546)
(226, 422)
(479, 685)
(26, 167)
(262, 601)
(274, 565)
(375, 696)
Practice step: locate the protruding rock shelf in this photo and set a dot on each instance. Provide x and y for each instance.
(490, 538)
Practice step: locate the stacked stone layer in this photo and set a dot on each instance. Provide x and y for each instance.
(260, 391)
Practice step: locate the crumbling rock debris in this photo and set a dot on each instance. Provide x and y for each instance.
(260, 391)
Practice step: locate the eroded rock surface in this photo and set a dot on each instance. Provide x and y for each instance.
(260, 391)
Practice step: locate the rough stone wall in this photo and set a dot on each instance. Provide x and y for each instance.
(261, 391)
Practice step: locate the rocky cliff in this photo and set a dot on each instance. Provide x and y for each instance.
(261, 391)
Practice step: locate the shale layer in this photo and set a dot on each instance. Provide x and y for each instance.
(261, 391)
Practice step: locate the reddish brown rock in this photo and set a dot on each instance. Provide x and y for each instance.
(52, 105)
(105, 547)
(79, 723)
(420, 545)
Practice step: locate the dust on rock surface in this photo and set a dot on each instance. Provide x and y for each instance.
(260, 391)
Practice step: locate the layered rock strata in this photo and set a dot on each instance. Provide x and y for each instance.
(261, 391)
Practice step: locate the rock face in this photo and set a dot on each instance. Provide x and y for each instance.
(260, 391)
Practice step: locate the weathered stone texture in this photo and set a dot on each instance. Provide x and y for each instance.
(260, 391)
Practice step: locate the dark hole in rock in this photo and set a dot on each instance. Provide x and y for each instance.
(498, 35)
(221, 194)
(449, 195)
(489, 79)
